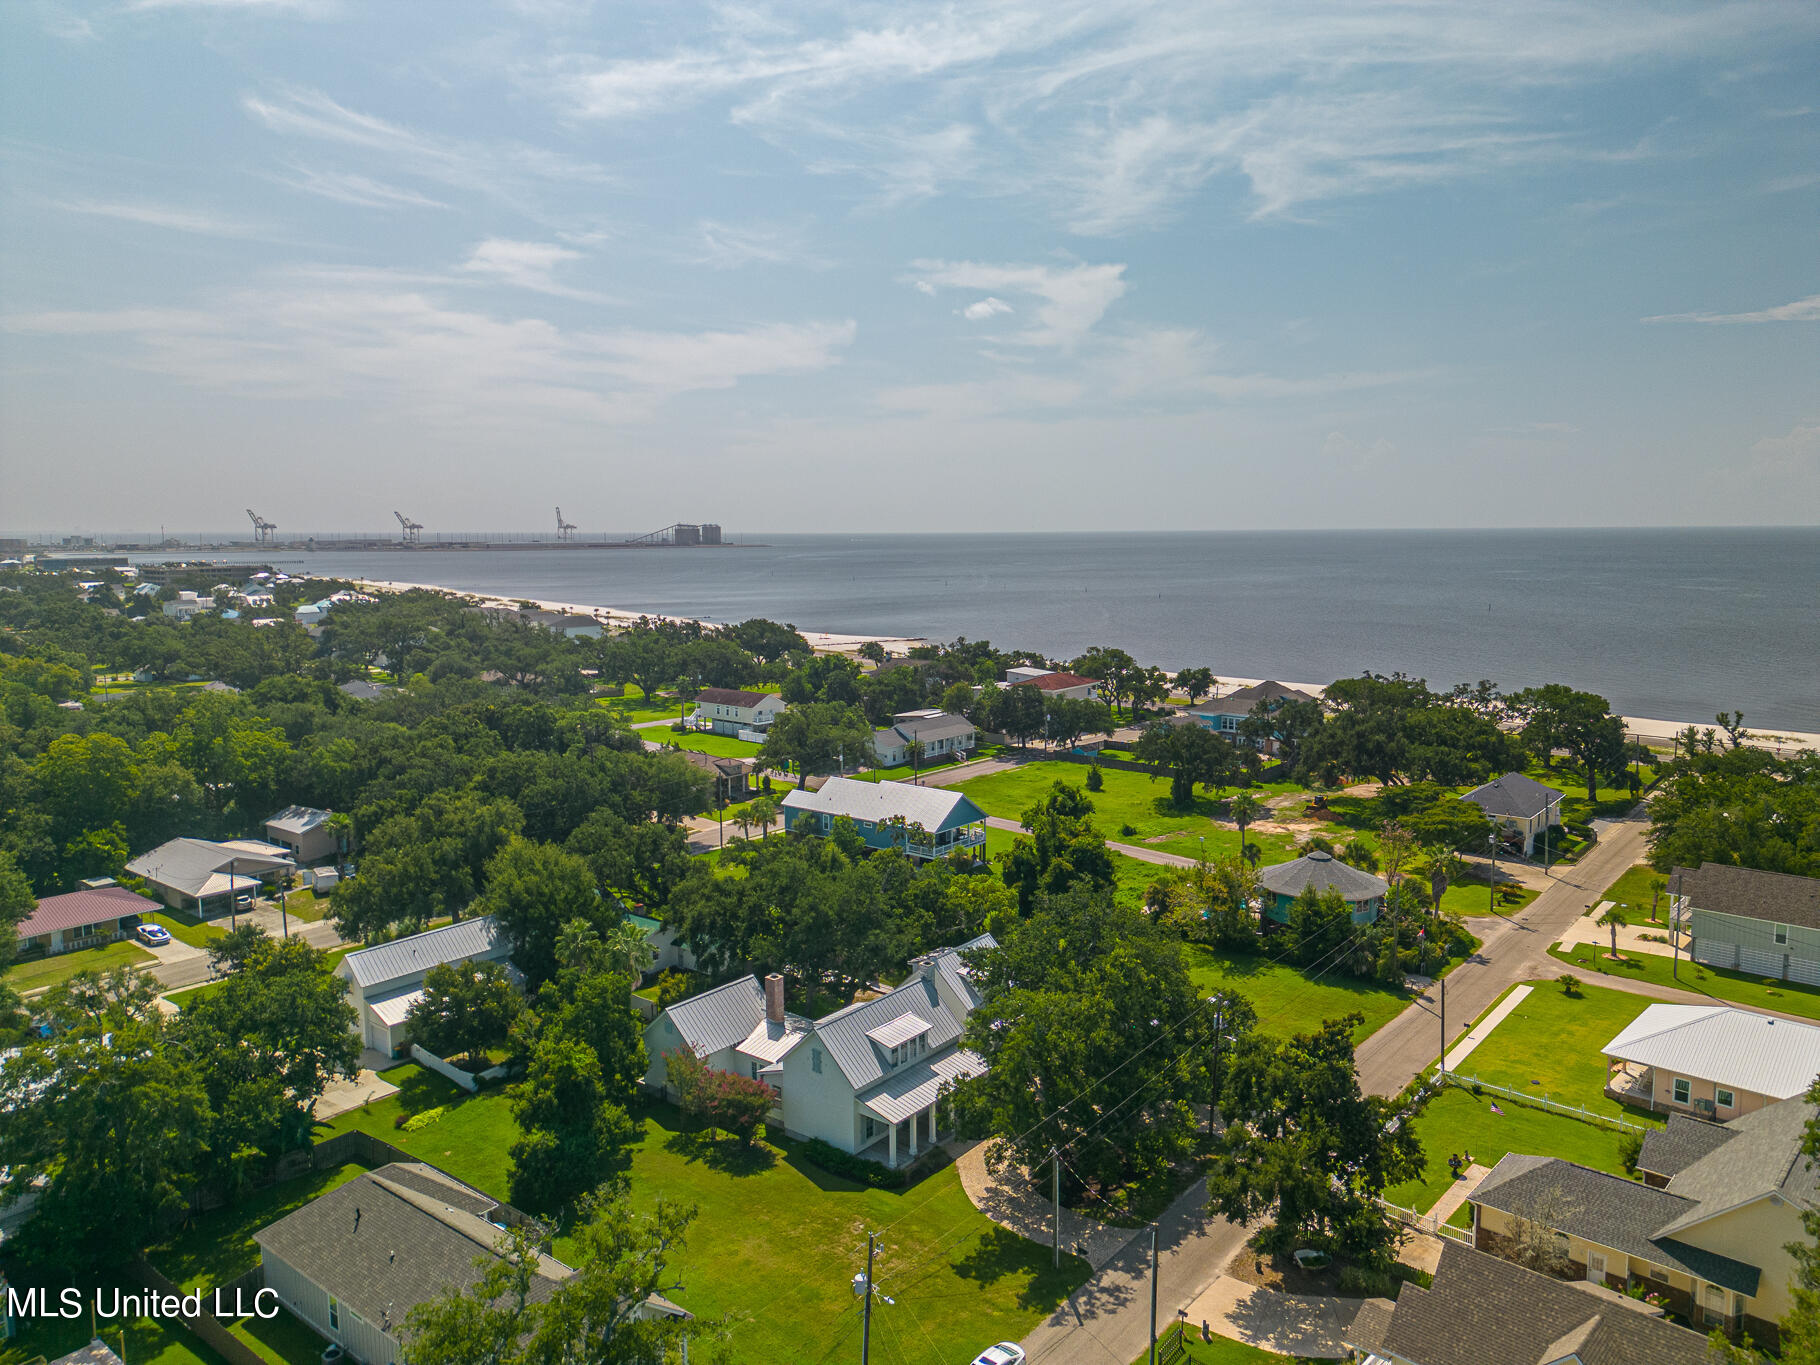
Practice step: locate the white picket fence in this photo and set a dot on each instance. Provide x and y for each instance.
(1427, 1222)
(1577, 1111)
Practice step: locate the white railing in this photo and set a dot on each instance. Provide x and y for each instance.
(1576, 1111)
(1427, 1222)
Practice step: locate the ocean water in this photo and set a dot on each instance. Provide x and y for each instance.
(1670, 624)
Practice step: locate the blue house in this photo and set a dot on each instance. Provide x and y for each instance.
(883, 812)
(1285, 882)
(1223, 714)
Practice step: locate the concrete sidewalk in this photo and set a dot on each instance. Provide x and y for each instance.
(1482, 1030)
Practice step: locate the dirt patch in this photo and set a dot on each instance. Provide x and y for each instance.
(1282, 1274)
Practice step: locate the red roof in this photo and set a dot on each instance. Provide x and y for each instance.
(1057, 682)
(91, 906)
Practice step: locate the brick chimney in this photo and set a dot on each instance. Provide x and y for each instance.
(774, 998)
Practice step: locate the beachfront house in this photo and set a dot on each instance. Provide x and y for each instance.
(889, 814)
(304, 831)
(1282, 883)
(735, 711)
(1223, 714)
(353, 1263)
(1482, 1310)
(1763, 923)
(82, 919)
(1519, 806)
(206, 878)
(1709, 1230)
(384, 981)
(1710, 1060)
(1053, 684)
(942, 736)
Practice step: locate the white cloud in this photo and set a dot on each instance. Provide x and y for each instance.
(524, 265)
(986, 308)
(157, 215)
(1074, 298)
(361, 190)
(1342, 454)
(1801, 310)
(1779, 462)
(727, 246)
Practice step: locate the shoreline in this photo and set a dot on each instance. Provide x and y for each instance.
(1650, 730)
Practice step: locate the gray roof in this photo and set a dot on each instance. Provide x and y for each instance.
(1611, 1211)
(1240, 703)
(1776, 896)
(844, 1033)
(1739, 1049)
(720, 1018)
(934, 808)
(393, 1238)
(1321, 871)
(1515, 795)
(298, 819)
(1762, 1156)
(364, 689)
(732, 696)
(948, 964)
(1671, 1150)
(931, 728)
(189, 865)
(417, 953)
(1482, 1310)
(97, 1352)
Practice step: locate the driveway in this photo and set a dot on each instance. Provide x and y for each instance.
(1307, 1325)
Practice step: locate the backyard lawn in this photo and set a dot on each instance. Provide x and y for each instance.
(147, 1342)
(1459, 1121)
(1286, 1000)
(306, 905)
(218, 1246)
(48, 971)
(634, 707)
(284, 1340)
(1472, 896)
(1549, 1046)
(1784, 997)
(1128, 799)
(702, 742)
(956, 1277)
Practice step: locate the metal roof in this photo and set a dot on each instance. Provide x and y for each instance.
(902, 1029)
(298, 819)
(1737, 1048)
(929, 728)
(188, 865)
(74, 909)
(934, 808)
(771, 1043)
(914, 1088)
(1321, 871)
(459, 942)
(719, 1018)
(1515, 795)
(394, 1009)
(846, 1033)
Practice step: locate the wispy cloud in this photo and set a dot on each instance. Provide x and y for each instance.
(727, 246)
(1072, 298)
(167, 216)
(1801, 310)
(986, 308)
(362, 190)
(524, 265)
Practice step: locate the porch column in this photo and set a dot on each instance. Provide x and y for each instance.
(915, 1123)
(894, 1144)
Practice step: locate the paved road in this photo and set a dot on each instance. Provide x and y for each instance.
(192, 968)
(1515, 949)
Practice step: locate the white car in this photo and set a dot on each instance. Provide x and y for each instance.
(1005, 1353)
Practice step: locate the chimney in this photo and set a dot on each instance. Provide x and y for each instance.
(774, 998)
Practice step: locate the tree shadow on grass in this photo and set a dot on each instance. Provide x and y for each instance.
(725, 1155)
(1001, 1253)
(826, 1181)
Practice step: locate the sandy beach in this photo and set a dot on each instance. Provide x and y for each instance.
(1652, 731)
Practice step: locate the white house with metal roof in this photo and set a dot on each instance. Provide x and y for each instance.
(884, 812)
(741, 1026)
(384, 981)
(204, 877)
(1710, 1060)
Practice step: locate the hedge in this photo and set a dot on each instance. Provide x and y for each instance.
(875, 1174)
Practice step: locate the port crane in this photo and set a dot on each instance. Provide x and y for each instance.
(407, 529)
(262, 529)
(565, 530)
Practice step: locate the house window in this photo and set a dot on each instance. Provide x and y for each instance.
(1715, 1299)
(1782, 936)
(815, 1060)
(334, 1314)
(1725, 1099)
(1683, 1090)
(868, 1127)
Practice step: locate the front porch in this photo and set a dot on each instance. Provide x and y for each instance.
(898, 1144)
(1634, 1083)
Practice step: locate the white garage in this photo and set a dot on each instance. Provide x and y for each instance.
(384, 981)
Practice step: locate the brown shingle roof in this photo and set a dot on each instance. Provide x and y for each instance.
(1056, 682)
(729, 696)
(1746, 892)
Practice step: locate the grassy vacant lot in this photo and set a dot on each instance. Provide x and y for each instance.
(1784, 997)
(1129, 798)
(635, 707)
(1632, 891)
(306, 905)
(1460, 1121)
(187, 928)
(1472, 896)
(48, 971)
(965, 1281)
(1286, 1000)
(701, 742)
(1549, 1046)
(219, 1246)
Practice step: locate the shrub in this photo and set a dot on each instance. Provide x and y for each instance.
(1095, 780)
(425, 1119)
(1357, 1279)
(1127, 831)
(1570, 984)
(875, 1174)
(1630, 1147)
(672, 986)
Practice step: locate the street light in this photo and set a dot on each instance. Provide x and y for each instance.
(1492, 840)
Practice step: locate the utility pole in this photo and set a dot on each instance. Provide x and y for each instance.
(1055, 1158)
(1153, 1294)
(1443, 1026)
(1492, 840)
(865, 1331)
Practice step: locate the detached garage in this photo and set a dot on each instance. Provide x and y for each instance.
(384, 981)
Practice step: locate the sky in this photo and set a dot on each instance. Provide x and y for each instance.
(1010, 265)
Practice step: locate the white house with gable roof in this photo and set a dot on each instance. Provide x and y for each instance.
(384, 981)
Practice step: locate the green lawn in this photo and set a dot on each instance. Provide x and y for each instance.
(48, 971)
(306, 905)
(1286, 1000)
(1571, 783)
(1549, 1045)
(1225, 1351)
(1785, 997)
(1128, 798)
(148, 1342)
(187, 928)
(218, 1246)
(1472, 896)
(283, 1340)
(1632, 891)
(966, 1281)
(1459, 1121)
(634, 707)
(1222, 842)
(701, 742)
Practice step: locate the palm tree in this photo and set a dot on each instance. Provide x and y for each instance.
(1244, 810)
(763, 812)
(626, 942)
(1614, 919)
(576, 942)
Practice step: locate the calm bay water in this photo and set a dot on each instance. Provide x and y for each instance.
(1672, 624)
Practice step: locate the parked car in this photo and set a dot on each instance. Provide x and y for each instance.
(1005, 1353)
(155, 934)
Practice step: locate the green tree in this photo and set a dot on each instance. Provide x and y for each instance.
(570, 1133)
(1112, 668)
(1306, 1150)
(1319, 923)
(466, 1008)
(1191, 754)
(1801, 1327)
(818, 737)
(1018, 713)
(1195, 683)
(532, 891)
(1558, 717)
(1246, 810)
(767, 639)
(1064, 849)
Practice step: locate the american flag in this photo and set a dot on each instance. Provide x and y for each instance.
(1496, 1110)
